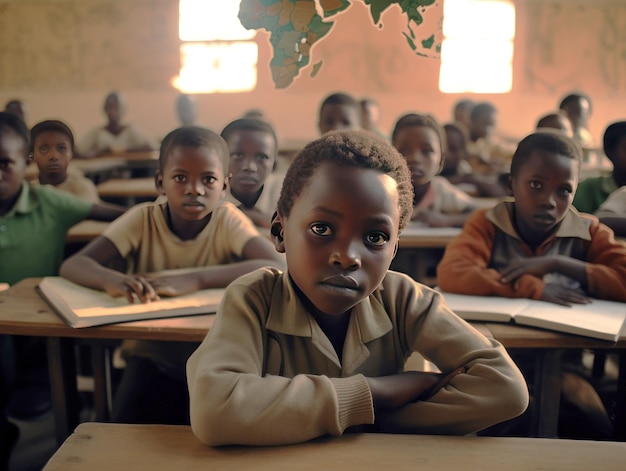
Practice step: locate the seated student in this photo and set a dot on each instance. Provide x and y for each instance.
(538, 246)
(191, 227)
(489, 154)
(253, 187)
(577, 106)
(436, 202)
(338, 111)
(52, 148)
(370, 115)
(321, 349)
(462, 112)
(593, 191)
(18, 108)
(115, 136)
(613, 212)
(33, 226)
(457, 169)
(555, 120)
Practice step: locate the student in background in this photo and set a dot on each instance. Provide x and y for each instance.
(253, 187)
(459, 172)
(321, 349)
(556, 120)
(33, 226)
(190, 229)
(593, 191)
(540, 247)
(370, 115)
(577, 106)
(613, 211)
(52, 149)
(18, 108)
(489, 153)
(115, 136)
(186, 110)
(339, 111)
(461, 113)
(436, 202)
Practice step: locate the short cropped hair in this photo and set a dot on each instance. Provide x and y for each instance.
(546, 118)
(14, 123)
(546, 141)
(352, 148)
(193, 136)
(572, 97)
(462, 104)
(613, 134)
(51, 125)
(451, 127)
(339, 99)
(249, 124)
(482, 109)
(418, 120)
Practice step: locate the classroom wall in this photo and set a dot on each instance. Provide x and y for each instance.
(63, 56)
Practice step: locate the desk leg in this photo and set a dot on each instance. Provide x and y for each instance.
(619, 422)
(102, 380)
(62, 365)
(545, 411)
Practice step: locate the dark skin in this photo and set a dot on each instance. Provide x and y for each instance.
(618, 224)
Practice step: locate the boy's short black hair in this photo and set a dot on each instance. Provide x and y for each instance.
(464, 103)
(613, 134)
(572, 97)
(451, 127)
(482, 109)
(546, 141)
(420, 120)
(546, 118)
(15, 123)
(352, 148)
(339, 99)
(193, 136)
(52, 125)
(249, 124)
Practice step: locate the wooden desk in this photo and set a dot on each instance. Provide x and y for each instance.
(128, 189)
(85, 231)
(95, 447)
(23, 312)
(419, 237)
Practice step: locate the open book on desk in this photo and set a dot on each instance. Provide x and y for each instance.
(84, 307)
(598, 319)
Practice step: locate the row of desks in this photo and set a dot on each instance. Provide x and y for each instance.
(25, 313)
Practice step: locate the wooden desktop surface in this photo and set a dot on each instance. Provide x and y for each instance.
(86, 231)
(98, 446)
(128, 188)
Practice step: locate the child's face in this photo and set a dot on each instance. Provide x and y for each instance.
(335, 117)
(340, 236)
(456, 151)
(12, 163)
(484, 126)
(113, 109)
(618, 158)
(52, 152)
(252, 156)
(421, 148)
(578, 112)
(544, 190)
(193, 180)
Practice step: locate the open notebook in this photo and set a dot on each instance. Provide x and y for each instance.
(599, 319)
(84, 307)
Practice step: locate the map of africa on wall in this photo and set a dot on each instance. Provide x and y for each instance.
(296, 25)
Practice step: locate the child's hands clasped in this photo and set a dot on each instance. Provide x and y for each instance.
(537, 266)
(391, 392)
(129, 285)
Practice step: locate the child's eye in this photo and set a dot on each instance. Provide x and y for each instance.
(535, 185)
(62, 149)
(376, 238)
(262, 157)
(236, 155)
(209, 179)
(321, 229)
(565, 191)
(179, 178)
(43, 149)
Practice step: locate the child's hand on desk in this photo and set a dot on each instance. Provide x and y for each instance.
(391, 392)
(537, 266)
(562, 295)
(128, 285)
(174, 285)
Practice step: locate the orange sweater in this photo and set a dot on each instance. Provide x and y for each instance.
(467, 266)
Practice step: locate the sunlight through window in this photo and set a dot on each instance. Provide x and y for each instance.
(477, 50)
(216, 55)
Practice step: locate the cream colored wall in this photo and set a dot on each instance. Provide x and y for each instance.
(559, 45)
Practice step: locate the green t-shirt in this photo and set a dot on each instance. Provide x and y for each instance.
(32, 234)
(592, 192)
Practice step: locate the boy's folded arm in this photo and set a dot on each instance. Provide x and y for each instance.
(232, 402)
(606, 265)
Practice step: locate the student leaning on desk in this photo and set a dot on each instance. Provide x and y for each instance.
(190, 228)
(538, 246)
(321, 349)
(33, 225)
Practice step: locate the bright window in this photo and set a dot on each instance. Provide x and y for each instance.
(216, 53)
(477, 50)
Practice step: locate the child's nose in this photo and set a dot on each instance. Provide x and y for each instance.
(251, 165)
(195, 187)
(348, 257)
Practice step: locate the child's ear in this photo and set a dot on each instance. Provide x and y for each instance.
(158, 181)
(509, 183)
(276, 231)
(227, 181)
(29, 158)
